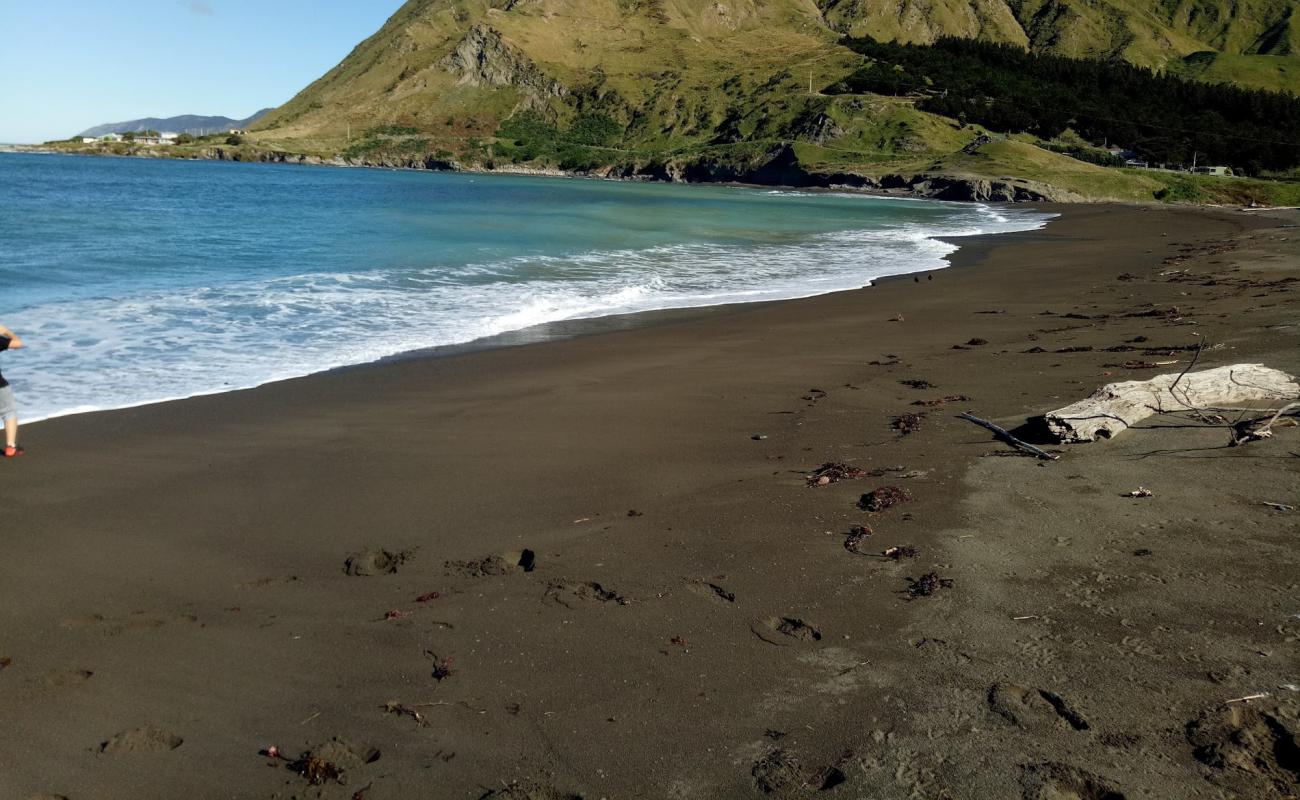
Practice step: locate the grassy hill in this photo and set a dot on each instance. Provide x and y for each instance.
(1244, 41)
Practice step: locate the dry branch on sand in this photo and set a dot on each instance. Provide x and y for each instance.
(1005, 435)
(1118, 406)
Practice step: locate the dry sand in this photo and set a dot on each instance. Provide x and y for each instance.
(188, 584)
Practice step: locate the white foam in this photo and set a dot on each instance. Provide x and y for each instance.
(101, 353)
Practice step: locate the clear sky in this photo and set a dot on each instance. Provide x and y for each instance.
(67, 65)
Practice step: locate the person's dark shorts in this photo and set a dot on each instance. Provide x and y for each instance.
(8, 408)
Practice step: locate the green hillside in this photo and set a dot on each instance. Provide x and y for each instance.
(673, 68)
(1248, 41)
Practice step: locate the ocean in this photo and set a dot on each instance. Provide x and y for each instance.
(137, 280)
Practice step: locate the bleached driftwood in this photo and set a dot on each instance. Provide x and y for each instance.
(1117, 406)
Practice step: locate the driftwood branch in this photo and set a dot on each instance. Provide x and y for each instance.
(1251, 430)
(1117, 406)
(1005, 436)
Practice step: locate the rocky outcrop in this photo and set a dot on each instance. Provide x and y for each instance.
(942, 187)
(780, 167)
(483, 58)
(819, 129)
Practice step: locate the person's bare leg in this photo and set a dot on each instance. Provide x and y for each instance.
(11, 432)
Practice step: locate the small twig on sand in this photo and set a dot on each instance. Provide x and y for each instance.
(1247, 698)
(1279, 506)
(309, 719)
(394, 707)
(1185, 399)
(1002, 434)
(460, 703)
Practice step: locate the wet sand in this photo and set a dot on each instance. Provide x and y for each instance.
(190, 583)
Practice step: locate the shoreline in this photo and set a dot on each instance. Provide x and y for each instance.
(608, 319)
(774, 174)
(196, 581)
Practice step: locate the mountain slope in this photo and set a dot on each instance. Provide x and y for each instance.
(722, 89)
(1151, 33)
(668, 69)
(672, 69)
(186, 123)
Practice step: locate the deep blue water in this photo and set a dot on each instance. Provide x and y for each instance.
(136, 280)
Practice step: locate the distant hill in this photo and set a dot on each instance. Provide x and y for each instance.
(186, 123)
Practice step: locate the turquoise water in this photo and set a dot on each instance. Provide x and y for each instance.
(136, 280)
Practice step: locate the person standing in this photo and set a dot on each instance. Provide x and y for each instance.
(8, 408)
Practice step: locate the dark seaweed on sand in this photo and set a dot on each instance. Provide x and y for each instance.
(908, 423)
(883, 498)
(316, 770)
(833, 472)
(938, 401)
(441, 666)
(927, 585)
(857, 535)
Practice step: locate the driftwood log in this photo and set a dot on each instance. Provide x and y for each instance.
(1117, 406)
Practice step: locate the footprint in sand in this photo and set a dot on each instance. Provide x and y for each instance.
(1030, 708)
(148, 739)
(503, 564)
(57, 679)
(375, 562)
(784, 631)
(1051, 780)
(779, 773)
(1250, 750)
(572, 593)
(711, 590)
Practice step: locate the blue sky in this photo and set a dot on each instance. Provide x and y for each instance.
(65, 66)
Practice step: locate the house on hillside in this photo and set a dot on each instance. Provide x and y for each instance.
(1222, 172)
(111, 137)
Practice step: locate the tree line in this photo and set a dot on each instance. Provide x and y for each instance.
(1162, 118)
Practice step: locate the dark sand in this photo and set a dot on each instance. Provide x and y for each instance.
(176, 598)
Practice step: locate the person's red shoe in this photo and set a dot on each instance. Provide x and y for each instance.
(13, 452)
